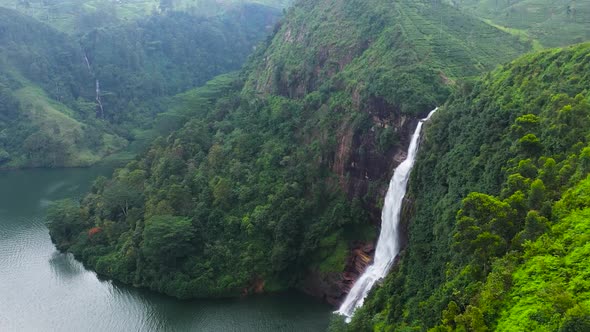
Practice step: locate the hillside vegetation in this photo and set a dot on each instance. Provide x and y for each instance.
(78, 17)
(545, 22)
(498, 228)
(48, 80)
(41, 79)
(274, 181)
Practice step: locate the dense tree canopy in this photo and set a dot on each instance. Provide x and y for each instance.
(280, 173)
(498, 231)
(51, 82)
(275, 172)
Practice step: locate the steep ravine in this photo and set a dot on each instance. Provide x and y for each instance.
(363, 175)
(496, 207)
(278, 179)
(388, 244)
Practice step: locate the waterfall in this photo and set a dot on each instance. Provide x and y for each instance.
(87, 63)
(98, 101)
(99, 107)
(388, 245)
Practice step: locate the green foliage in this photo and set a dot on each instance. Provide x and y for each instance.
(273, 171)
(64, 222)
(78, 17)
(228, 195)
(484, 227)
(163, 55)
(546, 22)
(167, 239)
(49, 116)
(549, 289)
(509, 156)
(400, 58)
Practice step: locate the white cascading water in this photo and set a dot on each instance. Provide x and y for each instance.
(388, 245)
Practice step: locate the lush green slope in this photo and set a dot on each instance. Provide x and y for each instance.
(75, 17)
(271, 186)
(49, 79)
(552, 23)
(42, 81)
(139, 63)
(381, 45)
(497, 229)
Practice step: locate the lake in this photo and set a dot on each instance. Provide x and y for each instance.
(44, 290)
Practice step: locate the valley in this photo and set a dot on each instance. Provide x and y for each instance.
(268, 147)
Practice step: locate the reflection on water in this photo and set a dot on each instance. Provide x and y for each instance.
(54, 187)
(64, 267)
(43, 290)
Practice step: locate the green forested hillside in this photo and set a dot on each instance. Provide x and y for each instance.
(78, 17)
(547, 22)
(42, 82)
(139, 63)
(498, 228)
(378, 48)
(49, 79)
(277, 178)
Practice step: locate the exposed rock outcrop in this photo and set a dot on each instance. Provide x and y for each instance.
(333, 287)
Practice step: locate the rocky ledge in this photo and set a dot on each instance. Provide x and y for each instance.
(333, 287)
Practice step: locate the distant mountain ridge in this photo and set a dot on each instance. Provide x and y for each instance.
(73, 17)
(549, 23)
(51, 80)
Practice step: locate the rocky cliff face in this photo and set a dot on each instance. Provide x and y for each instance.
(359, 162)
(363, 172)
(316, 41)
(464, 179)
(375, 73)
(333, 287)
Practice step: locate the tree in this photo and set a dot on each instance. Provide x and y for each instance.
(64, 222)
(119, 197)
(536, 195)
(530, 145)
(222, 192)
(4, 156)
(484, 226)
(44, 148)
(577, 319)
(8, 104)
(166, 239)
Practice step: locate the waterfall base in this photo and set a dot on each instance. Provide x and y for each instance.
(333, 287)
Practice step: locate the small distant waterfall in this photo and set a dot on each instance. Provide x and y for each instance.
(99, 102)
(87, 63)
(388, 245)
(99, 107)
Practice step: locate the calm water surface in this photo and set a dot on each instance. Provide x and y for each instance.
(43, 290)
